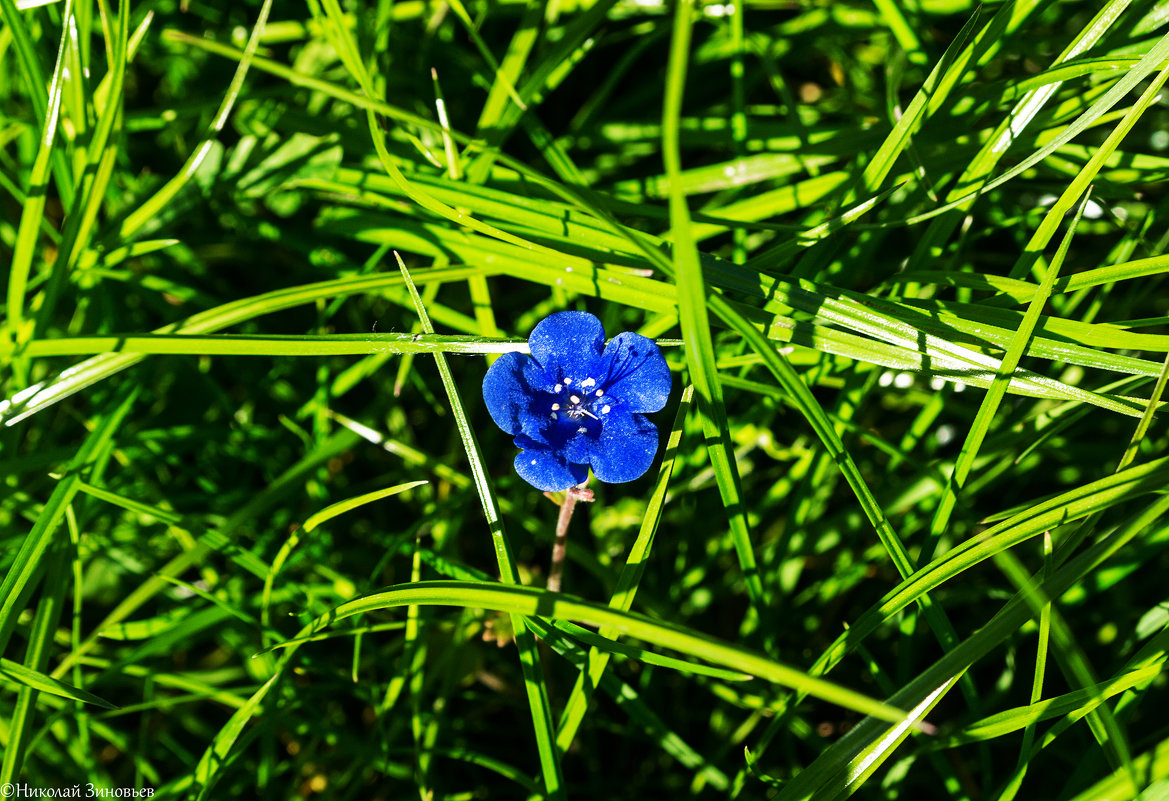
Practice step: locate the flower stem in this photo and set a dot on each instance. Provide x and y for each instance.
(574, 494)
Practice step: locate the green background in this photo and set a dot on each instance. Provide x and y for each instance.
(259, 537)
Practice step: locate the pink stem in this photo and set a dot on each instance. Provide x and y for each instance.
(574, 494)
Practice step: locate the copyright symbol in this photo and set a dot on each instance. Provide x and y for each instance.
(7, 790)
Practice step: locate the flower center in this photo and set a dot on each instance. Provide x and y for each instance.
(580, 401)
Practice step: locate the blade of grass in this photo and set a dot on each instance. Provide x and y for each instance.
(100, 158)
(529, 601)
(593, 670)
(267, 345)
(537, 692)
(1155, 57)
(49, 608)
(1037, 679)
(1026, 717)
(349, 504)
(33, 209)
(44, 394)
(994, 396)
(328, 513)
(836, 772)
(19, 581)
(933, 93)
(1078, 189)
(136, 220)
(692, 316)
(19, 674)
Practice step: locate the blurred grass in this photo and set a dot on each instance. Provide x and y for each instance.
(918, 386)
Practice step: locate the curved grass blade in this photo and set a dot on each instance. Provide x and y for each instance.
(692, 316)
(1152, 766)
(349, 504)
(100, 156)
(138, 219)
(537, 692)
(1154, 58)
(1020, 718)
(532, 602)
(211, 764)
(902, 344)
(34, 202)
(593, 670)
(19, 579)
(328, 513)
(40, 396)
(980, 427)
(836, 772)
(17, 673)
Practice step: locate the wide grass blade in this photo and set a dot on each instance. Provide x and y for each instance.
(557, 606)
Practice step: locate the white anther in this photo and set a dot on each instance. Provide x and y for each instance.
(605, 409)
(533, 461)
(574, 398)
(568, 382)
(588, 382)
(558, 388)
(582, 430)
(600, 392)
(553, 415)
(556, 407)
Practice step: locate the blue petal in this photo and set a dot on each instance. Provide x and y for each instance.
(636, 373)
(625, 449)
(512, 391)
(546, 470)
(568, 345)
(578, 445)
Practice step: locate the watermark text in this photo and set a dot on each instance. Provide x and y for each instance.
(21, 790)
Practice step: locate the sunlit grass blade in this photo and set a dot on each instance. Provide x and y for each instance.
(16, 673)
(20, 576)
(627, 582)
(537, 692)
(211, 764)
(1148, 63)
(933, 93)
(692, 316)
(141, 216)
(853, 755)
(1018, 719)
(267, 345)
(1152, 766)
(34, 204)
(980, 428)
(533, 602)
(349, 504)
(43, 395)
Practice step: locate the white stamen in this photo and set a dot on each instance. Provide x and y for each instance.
(587, 413)
(588, 382)
(600, 392)
(533, 461)
(582, 430)
(558, 388)
(553, 415)
(556, 407)
(605, 409)
(568, 382)
(574, 398)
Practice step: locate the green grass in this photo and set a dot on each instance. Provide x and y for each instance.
(908, 528)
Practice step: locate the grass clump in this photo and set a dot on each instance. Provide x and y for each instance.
(908, 526)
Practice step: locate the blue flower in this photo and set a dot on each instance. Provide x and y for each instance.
(577, 403)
